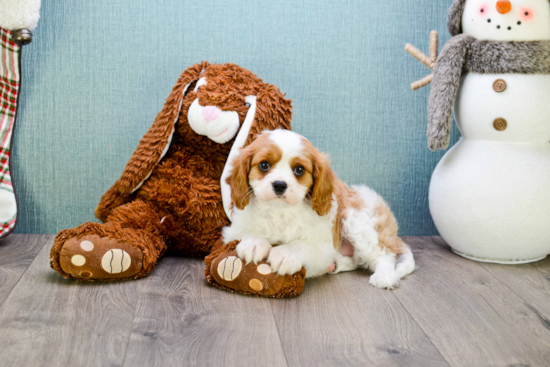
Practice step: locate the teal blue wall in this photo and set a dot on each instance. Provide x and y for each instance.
(98, 72)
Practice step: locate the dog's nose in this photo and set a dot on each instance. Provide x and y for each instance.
(504, 6)
(279, 187)
(211, 113)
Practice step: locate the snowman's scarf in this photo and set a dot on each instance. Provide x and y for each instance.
(464, 53)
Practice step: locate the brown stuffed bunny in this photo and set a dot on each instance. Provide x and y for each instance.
(172, 192)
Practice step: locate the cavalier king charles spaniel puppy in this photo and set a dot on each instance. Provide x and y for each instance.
(284, 192)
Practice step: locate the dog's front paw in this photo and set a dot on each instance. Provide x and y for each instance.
(284, 261)
(253, 249)
(385, 278)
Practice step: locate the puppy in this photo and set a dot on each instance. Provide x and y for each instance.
(284, 192)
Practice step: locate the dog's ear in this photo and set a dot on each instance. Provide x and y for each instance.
(156, 141)
(238, 181)
(324, 181)
(273, 111)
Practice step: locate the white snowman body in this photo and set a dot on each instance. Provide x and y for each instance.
(490, 194)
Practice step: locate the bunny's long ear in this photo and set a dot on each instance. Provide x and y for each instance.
(155, 143)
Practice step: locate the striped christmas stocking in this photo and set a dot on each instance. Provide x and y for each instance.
(10, 77)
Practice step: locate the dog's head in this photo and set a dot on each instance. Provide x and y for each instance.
(282, 167)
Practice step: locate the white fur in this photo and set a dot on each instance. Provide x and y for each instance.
(359, 229)
(475, 23)
(305, 238)
(17, 14)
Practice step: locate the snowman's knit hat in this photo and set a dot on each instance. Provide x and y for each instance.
(454, 22)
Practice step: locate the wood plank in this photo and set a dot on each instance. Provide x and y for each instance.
(182, 321)
(17, 251)
(470, 316)
(341, 320)
(529, 281)
(50, 321)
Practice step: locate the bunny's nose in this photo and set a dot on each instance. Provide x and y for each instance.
(504, 6)
(211, 113)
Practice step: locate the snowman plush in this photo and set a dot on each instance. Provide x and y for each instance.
(490, 194)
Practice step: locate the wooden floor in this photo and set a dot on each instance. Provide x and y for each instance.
(451, 311)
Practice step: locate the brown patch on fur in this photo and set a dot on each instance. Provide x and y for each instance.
(346, 199)
(265, 150)
(387, 229)
(324, 179)
(306, 179)
(238, 181)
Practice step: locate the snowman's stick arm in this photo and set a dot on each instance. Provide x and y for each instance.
(422, 82)
(428, 61)
(434, 46)
(419, 55)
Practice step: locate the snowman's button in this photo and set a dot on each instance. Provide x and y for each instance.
(500, 124)
(500, 85)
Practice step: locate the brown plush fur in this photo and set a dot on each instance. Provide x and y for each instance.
(179, 207)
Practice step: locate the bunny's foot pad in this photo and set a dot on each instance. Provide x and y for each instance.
(228, 271)
(92, 257)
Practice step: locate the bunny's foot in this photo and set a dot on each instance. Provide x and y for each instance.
(95, 251)
(226, 270)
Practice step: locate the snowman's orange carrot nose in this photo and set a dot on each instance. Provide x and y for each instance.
(504, 6)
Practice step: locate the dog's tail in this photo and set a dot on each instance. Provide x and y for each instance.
(405, 262)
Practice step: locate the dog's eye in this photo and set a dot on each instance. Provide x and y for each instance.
(299, 170)
(264, 166)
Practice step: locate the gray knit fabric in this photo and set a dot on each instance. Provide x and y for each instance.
(495, 57)
(454, 21)
(465, 53)
(447, 73)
